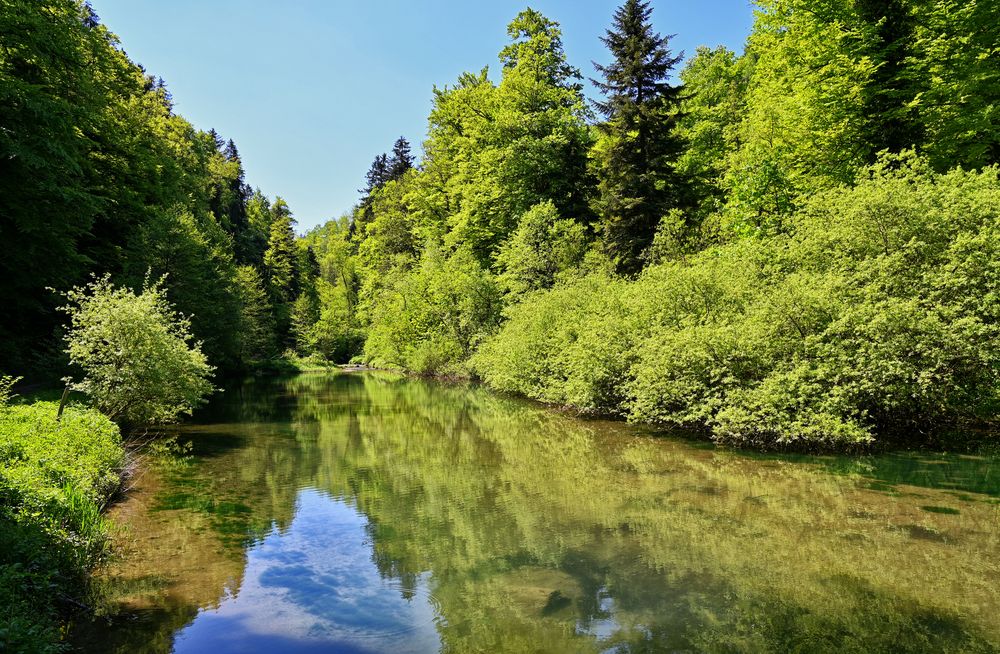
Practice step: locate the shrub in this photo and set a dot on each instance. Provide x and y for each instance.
(54, 478)
(429, 319)
(878, 312)
(140, 366)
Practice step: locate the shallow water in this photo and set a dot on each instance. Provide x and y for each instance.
(367, 512)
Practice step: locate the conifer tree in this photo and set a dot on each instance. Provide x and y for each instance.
(234, 208)
(377, 175)
(638, 181)
(401, 160)
(281, 267)
(280, 259)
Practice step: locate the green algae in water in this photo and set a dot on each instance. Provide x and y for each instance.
(368, 512)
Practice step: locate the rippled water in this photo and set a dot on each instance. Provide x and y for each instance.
(368, 512)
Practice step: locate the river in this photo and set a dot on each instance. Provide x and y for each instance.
(369, 512)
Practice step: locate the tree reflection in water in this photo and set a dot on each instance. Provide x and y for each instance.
(372, 512)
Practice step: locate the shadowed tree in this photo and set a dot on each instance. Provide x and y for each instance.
(638, 180)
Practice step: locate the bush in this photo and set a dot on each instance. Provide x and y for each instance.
(140, 366)
(55, 476)
(430, 318)
(879, 312)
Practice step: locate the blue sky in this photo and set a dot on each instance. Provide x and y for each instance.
(312, 90)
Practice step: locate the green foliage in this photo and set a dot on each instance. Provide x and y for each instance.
(7, 384)
(430, 318)
(637, 167)
(494, 152)
(256, 322)
(100, 176)
(876, 313)
(140, 366)
(195, 255)
(55, 476)
(336, 335)
(47, 89)
(542, 247)
(712, 108)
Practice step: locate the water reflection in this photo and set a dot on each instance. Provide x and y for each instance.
(369, 512)
(314, 585)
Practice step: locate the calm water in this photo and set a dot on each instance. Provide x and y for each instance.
(373, 513)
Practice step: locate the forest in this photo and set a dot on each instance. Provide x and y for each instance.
(795, 246)
(791, 247)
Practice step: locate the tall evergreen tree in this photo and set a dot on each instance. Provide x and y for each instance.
(234, 205)
(401, 159)
(638, 181)
(377, 175)
(281, 267)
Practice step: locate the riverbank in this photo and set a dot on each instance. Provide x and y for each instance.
(55, 478)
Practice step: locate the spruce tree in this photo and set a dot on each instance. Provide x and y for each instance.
(377, 175)
(638, 181)
(234, 208)
(281, 267)
(401, 160)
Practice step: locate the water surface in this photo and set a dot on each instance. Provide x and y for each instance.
(368, 512)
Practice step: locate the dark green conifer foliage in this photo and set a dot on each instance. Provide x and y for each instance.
(281, 267)
(638, 181)
(401, 160)
(377, 175)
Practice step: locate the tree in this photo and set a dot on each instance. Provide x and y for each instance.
(256, 321)
(306, 308)
(280, 258)
(377, 175)
(712, 109)
(47, 205)
(496, 151)
(141, 367)
(639, 182)
(401, 160)
(194, 252)
(281, 267)
(543, 246)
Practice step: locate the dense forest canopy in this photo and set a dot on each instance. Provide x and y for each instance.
(796, 244)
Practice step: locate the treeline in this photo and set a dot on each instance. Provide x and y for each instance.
(99, 176)
(790, 245)
(793, 245)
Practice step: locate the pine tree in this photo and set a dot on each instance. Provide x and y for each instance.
(638, 181)
(401, 160)
(377, 175)
(280, 259)
(234, 208)
(281, 267)
(216, 138)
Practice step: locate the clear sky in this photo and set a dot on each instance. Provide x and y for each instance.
(312, 90)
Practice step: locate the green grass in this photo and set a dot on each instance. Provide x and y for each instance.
(55, 478)
(293, 364)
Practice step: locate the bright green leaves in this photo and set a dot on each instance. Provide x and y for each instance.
(140, 365)
(875, 314)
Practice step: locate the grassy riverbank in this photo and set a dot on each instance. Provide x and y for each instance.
(55, 477)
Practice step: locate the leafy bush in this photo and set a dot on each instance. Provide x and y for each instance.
(139, 365)
(542, 246)
(430, 318)
(878, 312)
(54, 478)
(6, 385)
